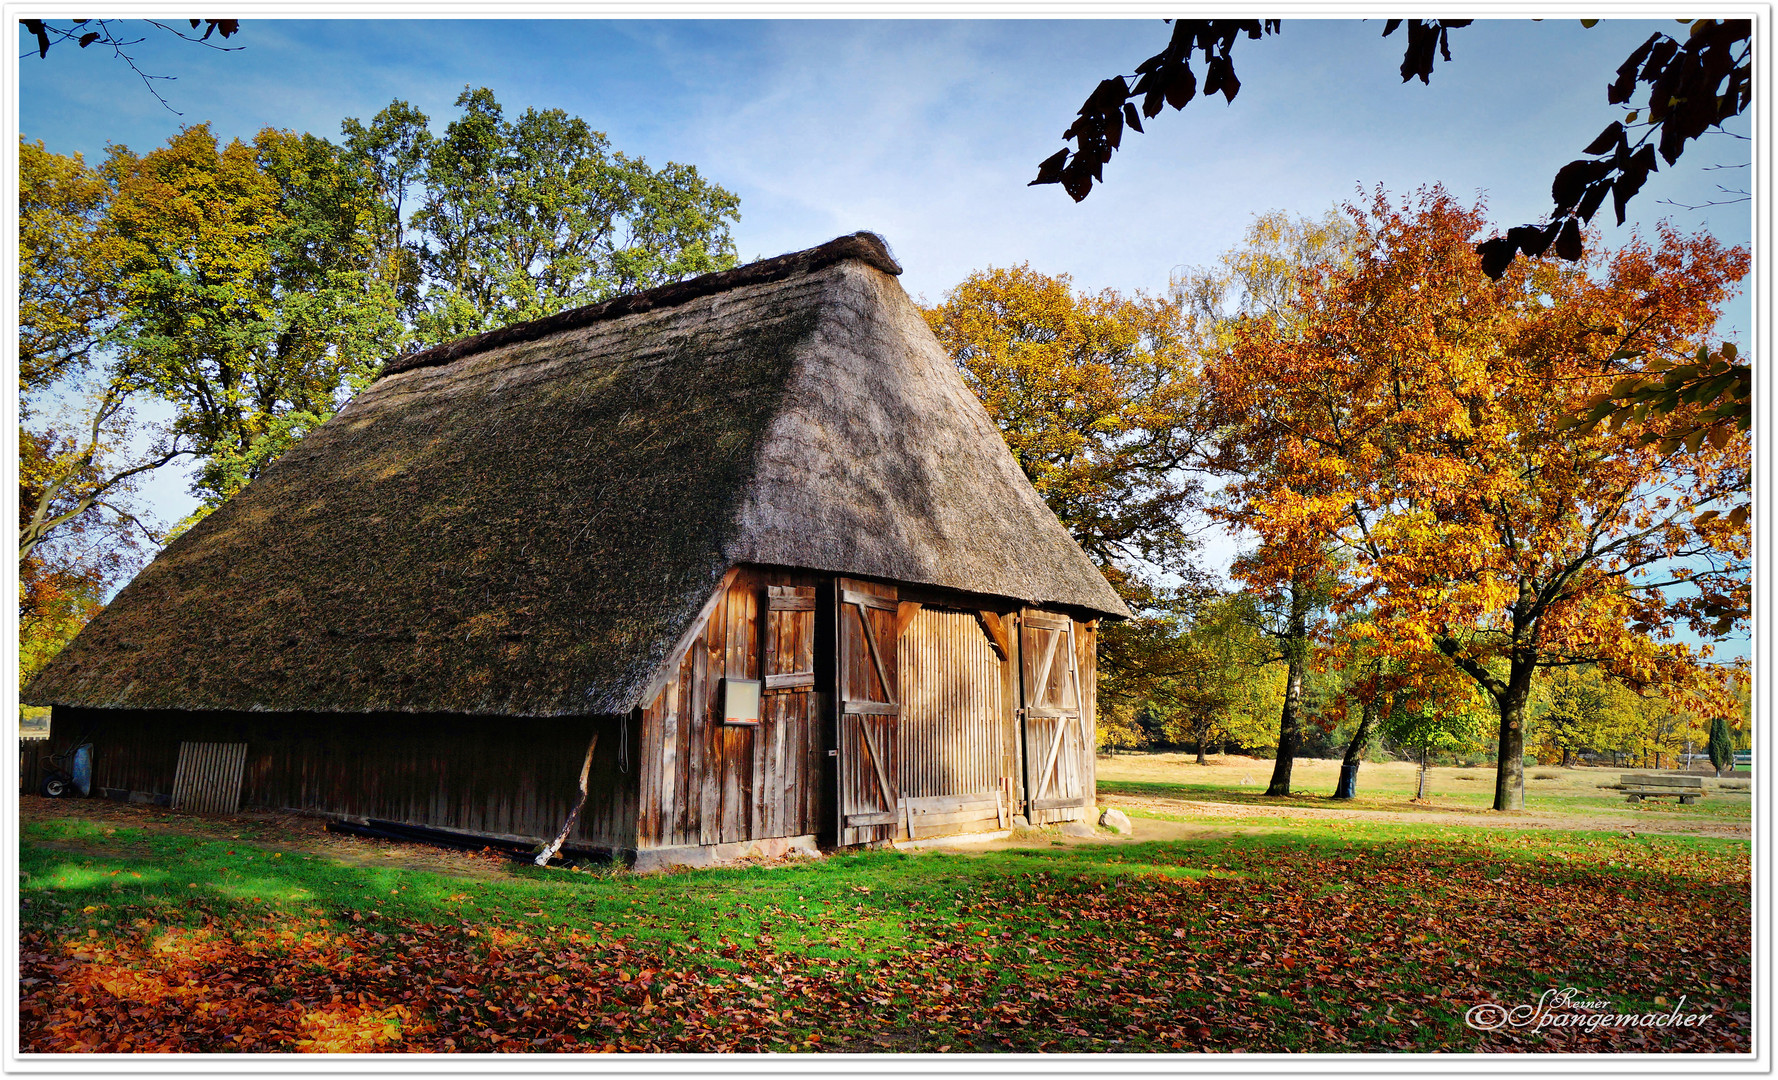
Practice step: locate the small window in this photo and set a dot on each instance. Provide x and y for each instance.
(740, 701)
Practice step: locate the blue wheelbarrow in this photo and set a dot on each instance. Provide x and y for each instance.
(68, 772)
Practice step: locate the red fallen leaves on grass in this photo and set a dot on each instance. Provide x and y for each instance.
(1378, 951)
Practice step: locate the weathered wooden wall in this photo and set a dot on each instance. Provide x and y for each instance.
(1059, 719)
(958, 750)
(705, 782)
(502, 776)
(1086, 637)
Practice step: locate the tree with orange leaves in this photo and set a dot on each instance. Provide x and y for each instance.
(1404, 422)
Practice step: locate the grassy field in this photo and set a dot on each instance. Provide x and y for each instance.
(147, 930)
(1390, 787)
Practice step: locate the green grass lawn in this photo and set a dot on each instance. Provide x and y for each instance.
(1328, 936)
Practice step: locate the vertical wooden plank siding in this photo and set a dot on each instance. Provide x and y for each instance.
(648, 769)
(718, 783)
(710, 781)
(947, 724)
(1058, 748)
(1013, 734)
(667, 763)
(514, 776)
(1087, 633)
(737, 741)
(792, 729)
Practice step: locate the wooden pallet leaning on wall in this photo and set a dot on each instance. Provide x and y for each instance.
(208, 778)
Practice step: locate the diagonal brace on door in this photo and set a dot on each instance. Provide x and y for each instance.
(870, 644)
(876, 760)
(1049, 765)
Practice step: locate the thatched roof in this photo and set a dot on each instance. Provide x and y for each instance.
(525, 522)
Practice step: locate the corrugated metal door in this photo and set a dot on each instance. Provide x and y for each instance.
(951, 752)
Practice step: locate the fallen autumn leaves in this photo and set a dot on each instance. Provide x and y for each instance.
(1360, 946)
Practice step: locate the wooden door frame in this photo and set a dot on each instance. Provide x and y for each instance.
(843, 598)
(1035, 784)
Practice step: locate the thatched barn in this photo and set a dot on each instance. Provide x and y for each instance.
(751, 531)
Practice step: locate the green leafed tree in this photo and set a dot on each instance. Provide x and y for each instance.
(250, 299)
(1722, 745)
(1424, 728)
(500, 220)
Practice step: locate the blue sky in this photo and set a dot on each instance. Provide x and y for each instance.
(928, 131)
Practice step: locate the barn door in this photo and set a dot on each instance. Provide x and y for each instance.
(1056, 740)
(869, 713)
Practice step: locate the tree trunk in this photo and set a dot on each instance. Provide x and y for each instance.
(1201, 759)
(1347, 788)
(1421, 794)
(1296, 655)
(1565, 758)
(1509, 775)
(1289, 732)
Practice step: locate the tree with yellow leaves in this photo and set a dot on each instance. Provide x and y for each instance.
(1406, 420)
(1096, 397)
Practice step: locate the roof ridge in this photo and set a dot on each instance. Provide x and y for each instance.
(865, 246)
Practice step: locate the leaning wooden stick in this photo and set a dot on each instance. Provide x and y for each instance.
(586, 767)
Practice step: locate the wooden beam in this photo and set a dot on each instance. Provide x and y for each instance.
(904, 614)
(790, 682)
(871, 708)
(991, 626)
(983, 802)
(1060, 804)
(887, 817)
(987, 812)
(864, 599)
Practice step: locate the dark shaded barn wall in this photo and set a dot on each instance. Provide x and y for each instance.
(509, 776)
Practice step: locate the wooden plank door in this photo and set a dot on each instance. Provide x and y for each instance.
(870, 806)
(1057, 746)
(787, 771)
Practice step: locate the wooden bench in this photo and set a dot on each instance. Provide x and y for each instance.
(1639, 786)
